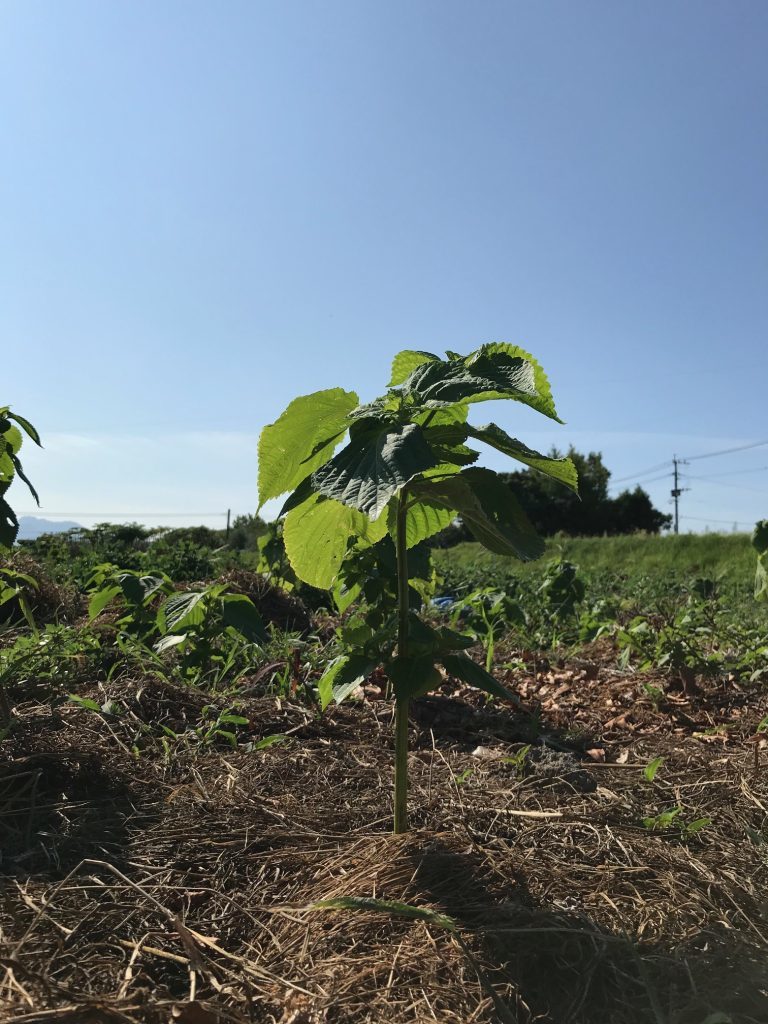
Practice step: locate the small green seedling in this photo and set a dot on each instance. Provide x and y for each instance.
(670, 821)
(654, 693)
(267, 741)
(405, 473)
(110, 707)
(652, 768)
(518, 759)
(216, 725)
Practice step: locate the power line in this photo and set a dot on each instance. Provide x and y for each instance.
(664, 476)
(731, 472)
(707, 519)
(643, 472)
(727, 483)
(726, 451)
(155, 515)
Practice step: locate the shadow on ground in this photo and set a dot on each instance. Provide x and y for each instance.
(59, 808)
(548, 964)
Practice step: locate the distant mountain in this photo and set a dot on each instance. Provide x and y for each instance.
(31, 527)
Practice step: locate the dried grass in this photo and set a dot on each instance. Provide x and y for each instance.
(148, 890)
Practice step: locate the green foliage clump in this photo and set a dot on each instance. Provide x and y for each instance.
(190, 553)
(196, 624)
(246, 533)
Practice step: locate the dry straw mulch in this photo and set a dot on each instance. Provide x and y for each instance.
(158, 889)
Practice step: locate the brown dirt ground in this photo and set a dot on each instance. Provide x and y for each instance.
(158, 888)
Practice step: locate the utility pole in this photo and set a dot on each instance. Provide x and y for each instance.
(229, 512)
(677, 490)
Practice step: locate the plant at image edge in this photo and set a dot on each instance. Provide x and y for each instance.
(760, 544)
(407, 472)
(11, 439)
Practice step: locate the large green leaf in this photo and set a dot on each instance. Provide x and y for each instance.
(13, 438)
(239, 612)
(20, 472)
(559, 469)
(301, 439)
(101, 599)
(137, 589)
(316, 535)
(492, 372)
(373, 467)
(30, 430)
(423, 520)
(442, 416)
(760, 537)
(7, 469)
(344, 595)
(342, 677)
(543, 402)
(488, 508)
(468, 671)
(182, 611)
(405, 363)
(447, 443)
(413, 676)
(9, 524)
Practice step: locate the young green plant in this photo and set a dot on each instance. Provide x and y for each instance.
(11, 438)
(406, 472)
(760, 544)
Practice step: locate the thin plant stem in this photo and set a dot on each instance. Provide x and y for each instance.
(401, 703)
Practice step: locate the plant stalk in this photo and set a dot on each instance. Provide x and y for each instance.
(401, 703)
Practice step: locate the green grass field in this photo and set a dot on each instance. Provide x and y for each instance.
(717, 555)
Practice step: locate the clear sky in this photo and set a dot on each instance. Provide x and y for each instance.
(207, 208)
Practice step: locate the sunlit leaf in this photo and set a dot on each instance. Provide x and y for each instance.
(342, 677)
(101, 599)
(301, 439)
(317, 534)
(405, 363)
(182, 611)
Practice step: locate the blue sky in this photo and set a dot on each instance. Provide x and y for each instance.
(209, 208)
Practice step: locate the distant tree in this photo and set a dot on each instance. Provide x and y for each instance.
(631, 511)
(119, 543)
(552, 508)
(245, 532)
(128, 535)
(201, 536)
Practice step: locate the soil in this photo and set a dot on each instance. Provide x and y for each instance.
(147, 879)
